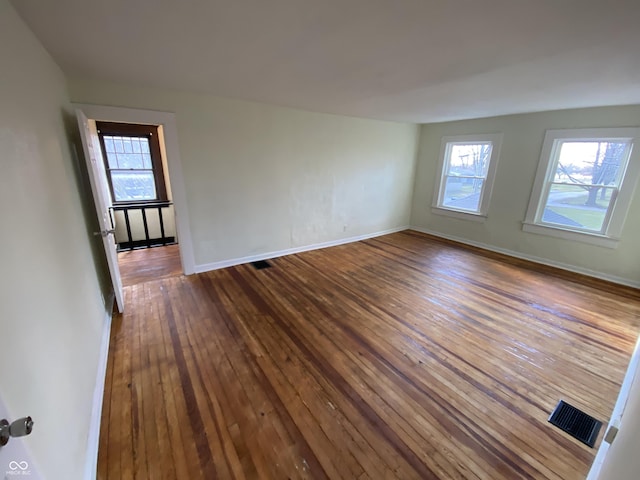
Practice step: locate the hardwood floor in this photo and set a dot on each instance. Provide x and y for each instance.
(146, 264)
(396, 357)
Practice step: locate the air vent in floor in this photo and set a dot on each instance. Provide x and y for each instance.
(260, 264)
(576, 423)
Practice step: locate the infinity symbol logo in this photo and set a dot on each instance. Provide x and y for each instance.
(13, 465)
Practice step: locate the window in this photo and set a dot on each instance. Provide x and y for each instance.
(584, 184)
(467, 169)
(133, 162)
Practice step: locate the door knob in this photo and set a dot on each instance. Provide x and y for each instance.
(104, 233)
(19, 428)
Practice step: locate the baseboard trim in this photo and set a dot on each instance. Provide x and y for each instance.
(532, 258)
(206, 267)
(91, 465)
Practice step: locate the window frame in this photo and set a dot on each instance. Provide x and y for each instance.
(135, 130)
(495, 139)
(620, 202)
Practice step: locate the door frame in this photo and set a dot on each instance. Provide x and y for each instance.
(174, 165)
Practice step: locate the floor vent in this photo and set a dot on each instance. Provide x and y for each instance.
(576, 423)
(260, 264)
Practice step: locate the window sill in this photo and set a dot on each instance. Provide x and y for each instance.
(474, 217)
(584, 237)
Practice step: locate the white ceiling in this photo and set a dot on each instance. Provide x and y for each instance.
(405, 60)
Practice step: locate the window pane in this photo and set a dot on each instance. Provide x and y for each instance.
(108, 144)
(590, 162)
(117, 142)
(146, 159)
(113, 159)
(577, 206)
(130, 160)
(126, 142)
(470, 160)
(126, 152)
(462, 193)
(132, 186)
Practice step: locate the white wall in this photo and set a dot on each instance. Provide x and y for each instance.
(261, 178)
(523, 137)
(51, 307)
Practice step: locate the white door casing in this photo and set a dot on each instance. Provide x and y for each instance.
(102, 200)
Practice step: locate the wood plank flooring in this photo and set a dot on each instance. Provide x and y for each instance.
(147, 264)
(396, 357)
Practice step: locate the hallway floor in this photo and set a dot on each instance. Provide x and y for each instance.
(146, 264)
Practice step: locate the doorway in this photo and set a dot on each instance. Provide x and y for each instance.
(166, 216)
(135, 164)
